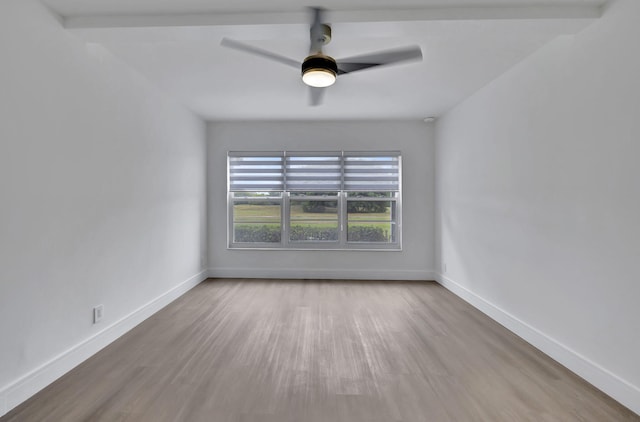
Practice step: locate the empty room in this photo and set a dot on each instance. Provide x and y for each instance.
(341, 211)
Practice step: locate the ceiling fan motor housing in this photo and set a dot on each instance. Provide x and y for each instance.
(319, 62)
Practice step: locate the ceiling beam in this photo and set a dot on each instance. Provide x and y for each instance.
(342, 16)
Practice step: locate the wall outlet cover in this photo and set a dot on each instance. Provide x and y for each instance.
(98, 313)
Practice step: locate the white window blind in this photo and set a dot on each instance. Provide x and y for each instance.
(313, 172)
(256, 172)
(371, 172)
(339, 171)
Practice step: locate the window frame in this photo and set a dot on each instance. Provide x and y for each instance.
(342, 198)
(231, 200)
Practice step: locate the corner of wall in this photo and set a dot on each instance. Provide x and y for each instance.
(619, 389)
(20, 390)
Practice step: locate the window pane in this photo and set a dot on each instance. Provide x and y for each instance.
(257, 194)
(371, 194)
(330, 195)
(313, 231)
(314, 210)
(313, 220)
(370, 210)
(256, 211)
(371, 221)
(256, 221)
(256, 233)
(370, 232)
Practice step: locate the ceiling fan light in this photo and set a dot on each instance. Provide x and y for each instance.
(319, 71)
(319, 78)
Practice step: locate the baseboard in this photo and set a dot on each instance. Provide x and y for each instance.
(320, 273)
(28, 385)
(613, 385)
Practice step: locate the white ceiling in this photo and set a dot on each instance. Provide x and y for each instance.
(465, 43)
(117, 7)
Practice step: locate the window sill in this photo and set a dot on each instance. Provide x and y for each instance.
(314, 249)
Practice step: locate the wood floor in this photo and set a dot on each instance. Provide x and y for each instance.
(276, 350)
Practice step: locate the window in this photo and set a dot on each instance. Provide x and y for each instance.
(328, 200)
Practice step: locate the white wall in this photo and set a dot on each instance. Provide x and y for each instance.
(413, 139)
(102, 190)
(539, 201)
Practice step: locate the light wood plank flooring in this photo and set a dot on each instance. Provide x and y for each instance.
(307, 350)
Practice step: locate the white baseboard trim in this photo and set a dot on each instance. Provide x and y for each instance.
(29, 384)
(606, 381)
(320, 273)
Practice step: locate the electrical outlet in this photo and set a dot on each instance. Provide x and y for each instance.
(444, 267)
(98, 313)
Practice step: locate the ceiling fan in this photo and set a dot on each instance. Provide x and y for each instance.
(320, 70)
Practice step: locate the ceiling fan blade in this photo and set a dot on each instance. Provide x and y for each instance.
(381, 58)
(237, 45)
(316, 31)
(315, 96)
